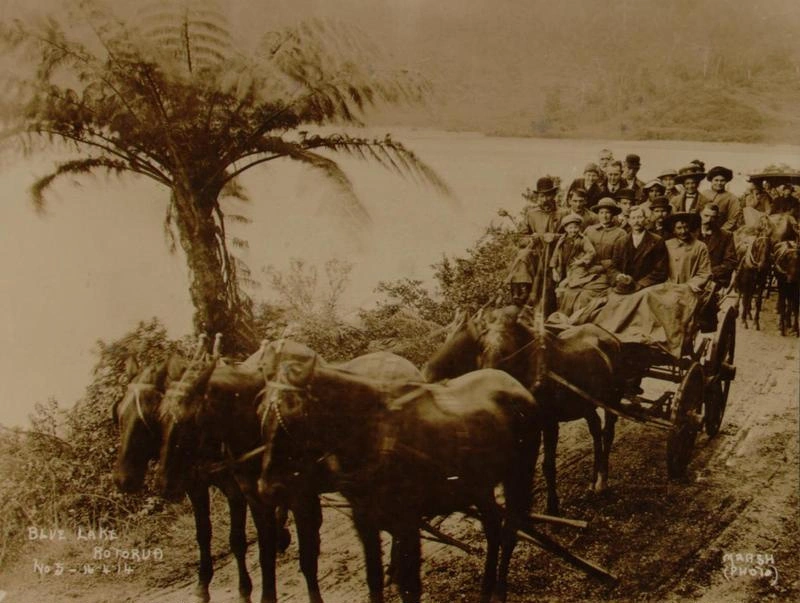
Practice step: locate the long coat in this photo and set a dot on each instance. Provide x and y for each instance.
(722, 253)
(647, 264)
(730, 208)
(688, 262)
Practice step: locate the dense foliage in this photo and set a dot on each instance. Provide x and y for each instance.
(58, 473)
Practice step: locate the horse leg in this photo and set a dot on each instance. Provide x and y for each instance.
(549, 465)
(595, 428)
(781, 310)
(406, 547)
(282, 533)
(266, 526)
(518, 491)
(745, 309)
(758, 299)
(371, 541)
(308, 520)
(492, 520)
(608, 440)
(202, 525)
(237, 507)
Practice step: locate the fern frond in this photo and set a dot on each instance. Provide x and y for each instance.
(78, 166)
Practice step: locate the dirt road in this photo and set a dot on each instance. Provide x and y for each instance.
(736, 513)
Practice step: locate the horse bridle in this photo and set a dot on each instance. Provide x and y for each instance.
(136, 387)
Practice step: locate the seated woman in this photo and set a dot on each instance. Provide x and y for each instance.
(572, 256)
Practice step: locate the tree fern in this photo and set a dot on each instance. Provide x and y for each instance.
(168, 96)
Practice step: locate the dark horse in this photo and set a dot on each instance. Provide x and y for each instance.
(216, 409)
(138, 416)
(314, 477)
(403, 451)
(787, 273)
(753, 248)
(586, 356)
(753, 272)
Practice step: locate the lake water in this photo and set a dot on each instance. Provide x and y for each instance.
(97, 262)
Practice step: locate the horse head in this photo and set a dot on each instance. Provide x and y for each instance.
(459, 353)
(137, 415)
(179, 420)
(501, 341)
(288, 368)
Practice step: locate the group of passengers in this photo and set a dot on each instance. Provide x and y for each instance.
(614, 232)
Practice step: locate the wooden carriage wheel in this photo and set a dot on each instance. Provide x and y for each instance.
(720, 372)
(686, 421)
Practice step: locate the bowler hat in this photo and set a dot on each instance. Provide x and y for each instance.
(625, 286)
(625, 193)
(666, 173)
(691, 218)
(691, 171)
(570, 219)
(545, 184)
(607, 203)
(718, 170)
(633, 160)
(660, 203)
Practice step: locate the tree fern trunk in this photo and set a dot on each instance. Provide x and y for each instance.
(219, 305)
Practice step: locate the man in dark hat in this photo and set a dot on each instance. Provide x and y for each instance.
(591, 183)
(542, 223)
(721, 249)
(642, 259)
(667, 180)
(544, 217)
(659, 209)
(633, 164)
(690, 200)
(688, 258)
(729, 208)
(577, 204)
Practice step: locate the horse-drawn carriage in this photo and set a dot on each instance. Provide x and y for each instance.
(702, 367)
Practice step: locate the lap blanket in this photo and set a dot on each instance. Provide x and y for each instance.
(661, 316)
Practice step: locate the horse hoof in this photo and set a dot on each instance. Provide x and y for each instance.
(201, 595)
